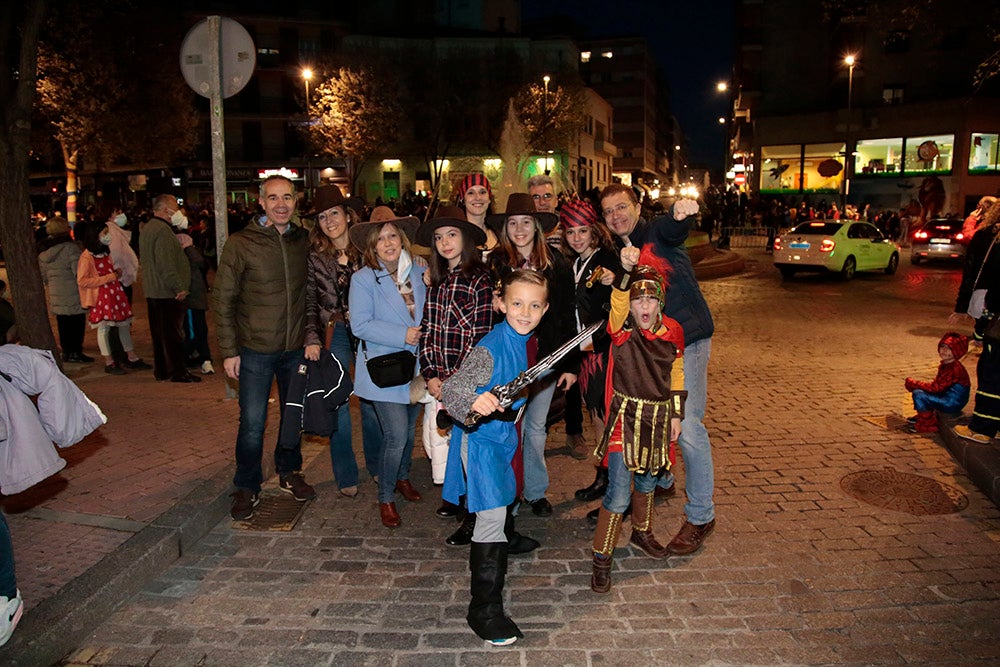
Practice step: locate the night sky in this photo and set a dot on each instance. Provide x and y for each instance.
(691, 41)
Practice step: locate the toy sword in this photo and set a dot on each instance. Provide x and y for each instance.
(508, 392)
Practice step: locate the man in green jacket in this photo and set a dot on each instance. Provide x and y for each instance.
(259, 299)
(166, 279)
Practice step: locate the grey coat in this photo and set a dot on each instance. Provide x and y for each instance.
(58, 266)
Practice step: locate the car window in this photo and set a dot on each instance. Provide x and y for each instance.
(857, 232)
(818, 227)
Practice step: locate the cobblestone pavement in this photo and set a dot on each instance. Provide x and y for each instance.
(797, 572)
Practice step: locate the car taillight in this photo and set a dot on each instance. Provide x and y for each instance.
(920, 234)
(959, 236)
(777, 243)
(827, 245)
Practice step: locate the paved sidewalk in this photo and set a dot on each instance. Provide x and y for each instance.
(796, 573)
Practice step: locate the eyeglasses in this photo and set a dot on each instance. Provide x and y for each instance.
(621, 208)
(547, 195)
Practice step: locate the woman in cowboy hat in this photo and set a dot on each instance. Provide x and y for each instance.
(521, 230)
(332, 262)
(387, 302)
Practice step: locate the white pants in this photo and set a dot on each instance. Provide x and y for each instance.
(435, 440)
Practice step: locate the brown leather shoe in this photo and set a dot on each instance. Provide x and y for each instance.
(390, 517)
(407, 491)
(600, 580)
(668, 492)
(645, 540)
(689, 538)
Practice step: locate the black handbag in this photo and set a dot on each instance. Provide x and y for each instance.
(390, 370)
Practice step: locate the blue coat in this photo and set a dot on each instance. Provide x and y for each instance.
(380, 318)
(493, 442)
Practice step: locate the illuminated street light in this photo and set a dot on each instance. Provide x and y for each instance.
(722, 86)
(849, 60)
(307, 75)
(722, 121)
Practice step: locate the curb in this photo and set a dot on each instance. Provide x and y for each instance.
(981, 462)
(60, 624)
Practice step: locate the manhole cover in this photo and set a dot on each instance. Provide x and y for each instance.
(276, 511)
(903, 492)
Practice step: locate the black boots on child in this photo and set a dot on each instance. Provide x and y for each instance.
(488, 562)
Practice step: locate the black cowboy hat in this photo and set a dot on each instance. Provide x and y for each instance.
(521, 203)
(449, 216)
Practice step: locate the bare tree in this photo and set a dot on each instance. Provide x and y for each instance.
(552, 115)
(20, 24)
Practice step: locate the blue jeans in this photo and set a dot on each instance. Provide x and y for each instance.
(953, 399)
(696, 449)
(619, 493)
(399, 423)
(8, 583)
(536, 475)
(257, 372)
(345, 466)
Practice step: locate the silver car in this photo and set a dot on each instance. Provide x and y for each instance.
(940, 238)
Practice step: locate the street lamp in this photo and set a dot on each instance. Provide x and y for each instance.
(849, 60)
(545, 115)
(307, 75)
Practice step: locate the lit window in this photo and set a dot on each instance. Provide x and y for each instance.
(585, 56)
(607, 54)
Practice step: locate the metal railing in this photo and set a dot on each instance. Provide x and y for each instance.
(747, 237)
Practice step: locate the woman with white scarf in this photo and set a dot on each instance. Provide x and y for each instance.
(387, 302)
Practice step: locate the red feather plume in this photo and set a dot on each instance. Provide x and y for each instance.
(649, 258)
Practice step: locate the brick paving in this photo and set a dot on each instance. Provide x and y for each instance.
(796, 573)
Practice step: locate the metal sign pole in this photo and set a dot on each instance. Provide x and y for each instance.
(218, 135)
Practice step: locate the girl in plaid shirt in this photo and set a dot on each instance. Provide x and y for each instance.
(457, 314)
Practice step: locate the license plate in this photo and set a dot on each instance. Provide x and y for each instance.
(940, 240)
(804, 246)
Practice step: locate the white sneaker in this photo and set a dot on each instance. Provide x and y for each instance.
(206, 368)
(10, 614)
(507, 641)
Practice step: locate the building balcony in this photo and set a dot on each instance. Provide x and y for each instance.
(604, 146)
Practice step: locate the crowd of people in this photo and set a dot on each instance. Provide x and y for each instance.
(463, 300)
(473, 297)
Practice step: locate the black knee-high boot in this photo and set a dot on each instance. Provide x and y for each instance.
(488, 562)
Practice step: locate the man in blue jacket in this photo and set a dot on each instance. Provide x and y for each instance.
(685, 304)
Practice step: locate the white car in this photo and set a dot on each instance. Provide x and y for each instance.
(839, 246)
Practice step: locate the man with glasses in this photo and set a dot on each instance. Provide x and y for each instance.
(543, 192)
(685, 304)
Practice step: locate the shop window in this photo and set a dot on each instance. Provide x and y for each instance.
(823, 168)
(781, 169)
(928, 155)
(878, 157)
(984, 153)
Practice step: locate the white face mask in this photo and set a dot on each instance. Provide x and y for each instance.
(105, 239)
(179, 220)
(121, 220)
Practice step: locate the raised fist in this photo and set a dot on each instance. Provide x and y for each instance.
(685, 207)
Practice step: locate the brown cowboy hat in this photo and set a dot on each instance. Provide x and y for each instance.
(521, 203)
(326, 197)
(381, 215)
(449, 216)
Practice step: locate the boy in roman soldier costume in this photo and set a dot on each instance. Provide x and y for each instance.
(643, 413)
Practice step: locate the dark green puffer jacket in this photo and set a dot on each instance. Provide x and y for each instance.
(260, 290)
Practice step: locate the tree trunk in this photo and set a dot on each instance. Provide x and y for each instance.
(71, 158)
(17, 91)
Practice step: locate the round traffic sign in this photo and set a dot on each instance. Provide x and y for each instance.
(237, 57)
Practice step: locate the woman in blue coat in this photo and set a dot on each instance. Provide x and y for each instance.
(387, 302)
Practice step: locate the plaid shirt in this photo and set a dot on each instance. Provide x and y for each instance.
(457, 314)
